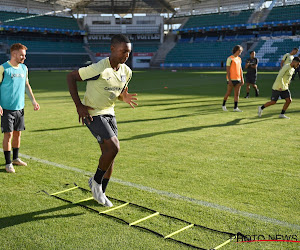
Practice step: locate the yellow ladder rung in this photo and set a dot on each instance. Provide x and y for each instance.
(111, 209)
(87, 199)
(66, 190)
(178, 231)
(145, 218)
(226, 242)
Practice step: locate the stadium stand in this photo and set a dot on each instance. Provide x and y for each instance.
(145, 46)
(218, 19)
(56, 60)
(206, 41)
(270, 51)
(3, 57)
(204, 53)
(47, 46)
(54, 22)
(283, 13)
(55, 49)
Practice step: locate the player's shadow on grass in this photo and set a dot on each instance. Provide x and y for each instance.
(55, 129)
(36, 216)
(119, 122)
(166, 103)
(234, 122)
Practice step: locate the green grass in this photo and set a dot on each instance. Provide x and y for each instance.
(177, 140)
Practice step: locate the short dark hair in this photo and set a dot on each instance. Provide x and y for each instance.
(295, 49)
(296, 58)
(236, 48)
(251, 52)
(119, 39)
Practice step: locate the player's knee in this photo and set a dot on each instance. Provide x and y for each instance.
(114, 150)
(17, 134)
(289, 100)
(8, 136)
(114, 147)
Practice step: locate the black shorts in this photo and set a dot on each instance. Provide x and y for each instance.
(12, 120)
(103, 127)
(283, 94)
(235, 82)
(251, 79)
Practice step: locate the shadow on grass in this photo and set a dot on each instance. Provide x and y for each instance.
(55, 129)
(207, 111)
(234, 122)
(120, 122)
(36, 216)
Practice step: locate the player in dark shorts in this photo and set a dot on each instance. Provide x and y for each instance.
(251, 76)
(280, 88)
(107, 82)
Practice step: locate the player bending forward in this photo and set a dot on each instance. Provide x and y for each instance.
(281, 87)
(107, 81)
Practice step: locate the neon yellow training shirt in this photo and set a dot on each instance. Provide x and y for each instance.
(283, 78)
(104, 85)
(287, 58)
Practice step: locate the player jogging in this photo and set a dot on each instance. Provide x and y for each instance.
(107, 81)
(251, 76)
(13, 84)
(281, 87)
(288, 57)
(234, 77)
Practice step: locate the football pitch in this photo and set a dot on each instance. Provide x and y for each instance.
(180, 155)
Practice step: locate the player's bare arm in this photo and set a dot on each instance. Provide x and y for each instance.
(242, 77)
(247, 65)
(29, 93)
(228, 74)
(128, 98)
(82, 110)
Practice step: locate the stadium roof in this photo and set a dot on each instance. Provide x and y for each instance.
(177, 7)
(127, 6)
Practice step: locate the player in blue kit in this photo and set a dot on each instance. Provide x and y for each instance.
(13, 84)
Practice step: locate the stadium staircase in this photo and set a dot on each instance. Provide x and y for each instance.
(90, 53)
(164, 49)
(259, 16)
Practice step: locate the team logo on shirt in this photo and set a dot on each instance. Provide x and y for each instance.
(123, 78)
(17, 75)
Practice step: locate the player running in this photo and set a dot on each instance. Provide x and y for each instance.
(107, 81)
(234, 77)
(281, 87)
(251, 76)
(14, 82)
(288, 57)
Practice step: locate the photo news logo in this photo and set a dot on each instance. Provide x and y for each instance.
(293, 238)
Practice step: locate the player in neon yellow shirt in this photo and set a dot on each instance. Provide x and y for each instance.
(281, 87)
(288, 57)
(107, 81)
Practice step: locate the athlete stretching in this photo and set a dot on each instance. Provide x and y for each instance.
(107, 81)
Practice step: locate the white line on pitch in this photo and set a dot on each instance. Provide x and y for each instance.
(171, 195)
